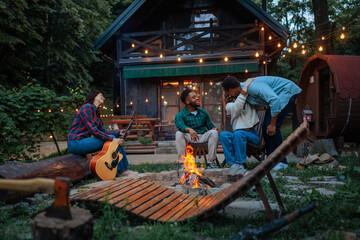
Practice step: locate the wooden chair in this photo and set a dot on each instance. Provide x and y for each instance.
(153, 202)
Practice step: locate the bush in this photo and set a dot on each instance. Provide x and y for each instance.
(29, 112)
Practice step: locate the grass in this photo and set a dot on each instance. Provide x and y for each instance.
(335, 214)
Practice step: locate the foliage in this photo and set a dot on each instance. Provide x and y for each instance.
(29, 112)
(157, 167)
(50, 41)
(143, 140)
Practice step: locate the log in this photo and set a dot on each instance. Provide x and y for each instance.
(75, 167)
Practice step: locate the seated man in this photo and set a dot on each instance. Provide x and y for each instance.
(244, 118)
(194, 125)
(280, 94)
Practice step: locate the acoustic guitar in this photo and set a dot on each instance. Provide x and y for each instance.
(104, 164)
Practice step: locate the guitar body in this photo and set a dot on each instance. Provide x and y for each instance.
(100, 165)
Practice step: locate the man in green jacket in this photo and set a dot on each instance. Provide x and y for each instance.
(195, 125)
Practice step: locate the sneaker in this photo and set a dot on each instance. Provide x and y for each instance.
(238, 166)
(211, 165)
(279, 166)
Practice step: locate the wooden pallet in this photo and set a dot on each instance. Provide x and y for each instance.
(151, 201)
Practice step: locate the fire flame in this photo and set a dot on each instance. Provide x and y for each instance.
(191, 171)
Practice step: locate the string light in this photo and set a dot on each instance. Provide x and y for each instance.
(146, 51)
(283, 55)
(342, 36)
(289, 50)
(131, 103)
(246, 71)
(295, 45)
(303, 46)
(257, 54)
(343, 28)
(146, 100)
(177, 93)
(264, 62)
(38, 110)
(117, 105)
(205, 93)
(262, 28)
(321, 48)
(322, 38)
(200, 60)
(61, 110)
(270, 37)
(279, 45)
(161, 56)
(162, 97)
(211, 83)
(226, 59)
(76, 110)
(133, 45)
(303, 51)
(179, 59)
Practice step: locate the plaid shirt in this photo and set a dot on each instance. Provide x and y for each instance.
(86, 123)
(201, 123)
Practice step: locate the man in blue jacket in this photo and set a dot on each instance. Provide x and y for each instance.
(276, 92)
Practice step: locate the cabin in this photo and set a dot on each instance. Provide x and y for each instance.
(161, 47)
(331, 94)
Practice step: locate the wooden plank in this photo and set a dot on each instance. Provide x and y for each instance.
(141, 194)
(103, 192)
(177, 205)
(151, 202)
(157, 211)
(191, 208)
(119, 192)
(146, 198)
(92, 191)
(125, 197)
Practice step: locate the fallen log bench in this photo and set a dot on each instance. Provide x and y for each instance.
(74, 167)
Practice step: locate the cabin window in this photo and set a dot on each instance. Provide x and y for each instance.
(212, 97)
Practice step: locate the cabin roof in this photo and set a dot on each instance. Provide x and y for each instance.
(137, 4)
(346, 73)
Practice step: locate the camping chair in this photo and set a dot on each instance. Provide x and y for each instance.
(153, 202)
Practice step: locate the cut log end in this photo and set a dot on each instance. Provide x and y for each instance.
(79, 227)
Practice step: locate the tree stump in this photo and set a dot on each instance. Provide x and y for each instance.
(80, 227)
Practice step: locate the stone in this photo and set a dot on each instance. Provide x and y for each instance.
(324, 146)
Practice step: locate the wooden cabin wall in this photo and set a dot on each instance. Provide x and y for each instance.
(137, 91)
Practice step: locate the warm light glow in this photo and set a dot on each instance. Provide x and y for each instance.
(38, 110)
(262, 28)
(283, 55)
(194, 88)
(146, 100)
(303, 51)
(343, 28)
(205, 93)
(270, 37)
(161, 56)
(162, 96)
(211, 83)
(50, 136)
(165, 103)
(200, 60)
(295, 45)
(257, 54)
(146, 51)
(219, 108)
(117, 105)
(289, 50)
(77, 110)
(61, 110)
(264, 62)
(226, 59)
(322, 38)
(303, 46)
(179, 59)
(246, 71)
(133, 45)
(342, 36)
(177, 93)
(321, 48)
(131, 103)
(49, 110)
(279, 45)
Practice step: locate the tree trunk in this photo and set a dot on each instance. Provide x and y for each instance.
(322, 26)
(75, 167)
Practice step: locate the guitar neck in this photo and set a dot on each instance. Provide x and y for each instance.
(125, 134)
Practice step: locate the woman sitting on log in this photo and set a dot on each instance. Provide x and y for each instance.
(87, 135)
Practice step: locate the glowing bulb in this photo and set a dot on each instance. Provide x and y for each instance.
(177, 93)
(117, 105)
(219, 108)
(162, 96)
(322, 38)
(165, 103)
(226, 59)
(303, 46)
(342, 36)
(290, 50)
(146, 100)
(133, 45)
(270, 37)
(205, 93)
(49, 110)
(321, 48)
(343, 28)
(257, 54)
(200, 60)
(179, 59)
(146, 51)
(50, 136)
(77, 110)
(38, 110)
(131, 103)
(262, 28)
(61, 110)
(303, 51)
(161, 56)
(283, 55)
(246, 71)
(264, 62)
(194, 88)
(295, 45)
(279, 45)
(211, 83)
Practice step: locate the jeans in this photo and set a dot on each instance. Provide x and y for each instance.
(272, 142)
(234, 145)
(93, 144)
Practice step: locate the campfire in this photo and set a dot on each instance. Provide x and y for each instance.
(193, 176)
